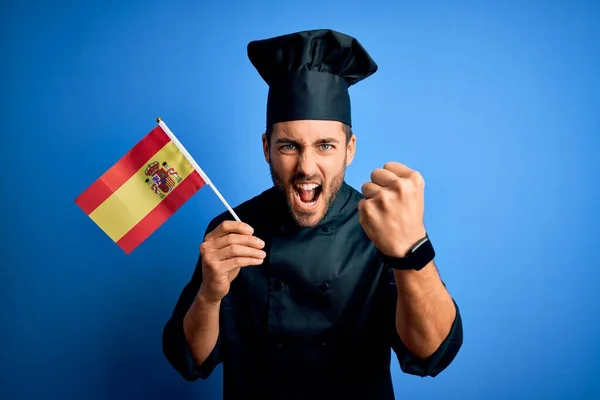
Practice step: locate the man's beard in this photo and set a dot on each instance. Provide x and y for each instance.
(329, 191)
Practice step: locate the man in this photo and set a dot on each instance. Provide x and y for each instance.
(307, 296)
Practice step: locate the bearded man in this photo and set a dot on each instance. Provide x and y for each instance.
(310, 294)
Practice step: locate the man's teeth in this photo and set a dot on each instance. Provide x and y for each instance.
(307, 186)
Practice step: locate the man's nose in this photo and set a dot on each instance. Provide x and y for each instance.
(307, 163)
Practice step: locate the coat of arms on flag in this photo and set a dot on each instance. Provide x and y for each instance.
(162, 178)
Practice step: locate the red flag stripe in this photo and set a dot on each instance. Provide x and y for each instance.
(163, 211)
(120, 172)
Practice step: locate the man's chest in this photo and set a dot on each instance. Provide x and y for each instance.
(311, 282)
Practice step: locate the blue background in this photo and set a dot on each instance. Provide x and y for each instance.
(495, 103)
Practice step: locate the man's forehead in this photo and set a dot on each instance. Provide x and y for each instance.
(308, 130)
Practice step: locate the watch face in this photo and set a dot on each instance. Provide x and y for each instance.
(419, 256)
(418, 244)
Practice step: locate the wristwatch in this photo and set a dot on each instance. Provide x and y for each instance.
(418, 256)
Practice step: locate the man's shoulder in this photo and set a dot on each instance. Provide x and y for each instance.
(250, 210)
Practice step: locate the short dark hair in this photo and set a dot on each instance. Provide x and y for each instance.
(347, 130)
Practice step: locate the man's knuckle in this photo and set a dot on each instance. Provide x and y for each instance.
(419, 180)
(375, 174)
(366, 188)
(238, 261)
(204, 247)
(371, 205)
(230, 251)
(397, 184)
(416, 176)
(237, 250)
(385, 199)
(226, 225)
(406, 186)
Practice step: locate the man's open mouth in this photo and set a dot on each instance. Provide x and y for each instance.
(307, 193)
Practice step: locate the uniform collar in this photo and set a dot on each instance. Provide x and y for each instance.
(339, 202)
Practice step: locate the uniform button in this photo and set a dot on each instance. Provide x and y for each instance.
(324, 286)
(282, 229)
(326, 229)
(277, 285)
(276, 346)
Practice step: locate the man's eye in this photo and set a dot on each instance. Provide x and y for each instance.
(288, 147)
(325, 146)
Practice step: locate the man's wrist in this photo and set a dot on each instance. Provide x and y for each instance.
(402, 250)
(418, 256)
(205, 300)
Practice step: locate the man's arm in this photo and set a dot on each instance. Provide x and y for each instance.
(191, 338)
(192, 319)
(425, 311)
(201, 327)
(426, 318)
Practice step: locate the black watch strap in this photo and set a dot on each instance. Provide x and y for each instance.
(421, 254)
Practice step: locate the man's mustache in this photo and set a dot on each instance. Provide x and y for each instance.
(299, 178)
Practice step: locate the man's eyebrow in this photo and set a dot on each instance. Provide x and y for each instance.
(287, 141)
(327, 140)
(320, 141)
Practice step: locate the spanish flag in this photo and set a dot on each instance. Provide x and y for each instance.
(143, 189)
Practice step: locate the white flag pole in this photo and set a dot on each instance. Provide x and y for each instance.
(196, 166)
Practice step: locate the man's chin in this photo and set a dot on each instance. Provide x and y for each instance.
(306, 214)
(307, 220)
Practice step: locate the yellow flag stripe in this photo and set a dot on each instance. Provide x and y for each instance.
(129, 204)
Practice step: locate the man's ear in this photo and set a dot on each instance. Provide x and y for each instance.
(350, 150)
(266, 148)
